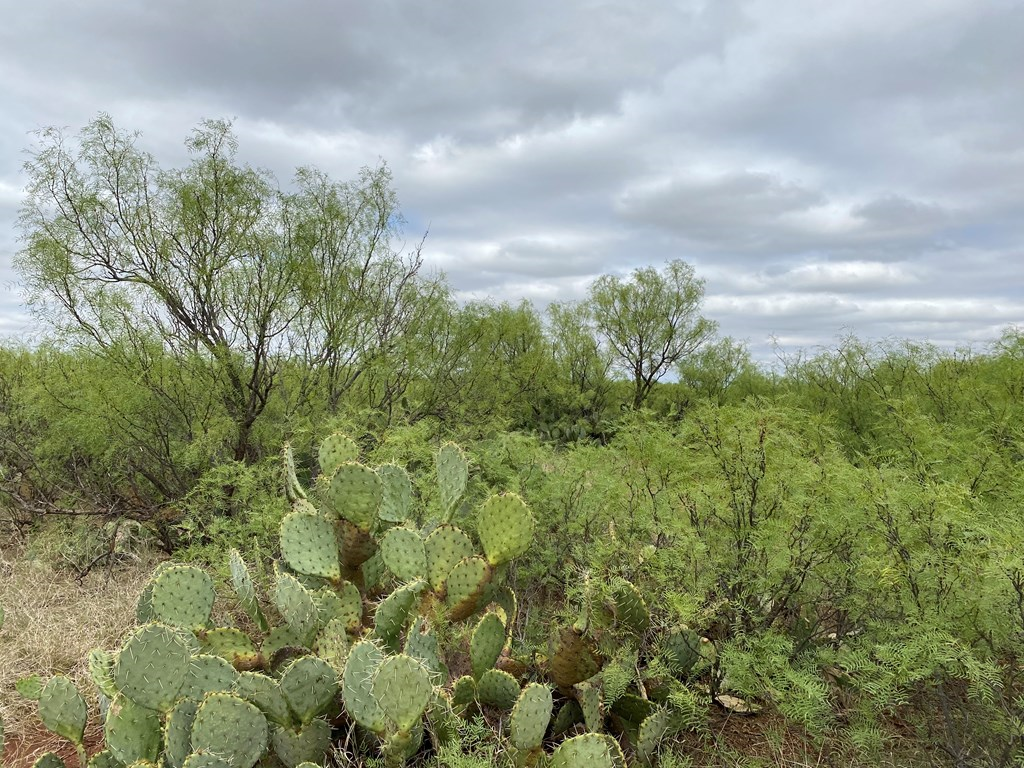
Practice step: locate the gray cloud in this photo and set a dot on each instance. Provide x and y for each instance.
(846, 166)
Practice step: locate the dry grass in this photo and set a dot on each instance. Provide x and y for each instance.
(52, 622)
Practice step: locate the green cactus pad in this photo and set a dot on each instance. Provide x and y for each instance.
(280, 638)
(293, 489)
(572, 659)
(265, 693)
(231, 728)
(487, 643)
(506, 598)
(101, 671)
(421, 643)
(681, 650)
(332, 644)
(591, 750)
(29, 687)
(297, 606)
(304, 746)
(357, 685)
(629, 608)
(404, 553)
(397, 493)
(464, 695)
(205, 760)
(505, 526)
(653, 731)
(49, 760)
(183, 597)
(231, 644)
(530, 717)
(309, 685)
(355, 494)
(465, 585)
(373, 571)
(569, 715)
(445, 547)
(335, 450)
(350, 607)
(393, 614)
(144, 606)
(589, 697)
(241, 580)
(152, 667)
(452, 476)
(309, 545)
(178, 732)
(402, 689)
(442, 720)
(62, 709)
(103, 759)
(497, 688)
(633, 709)
(207, 674)
(131, 732)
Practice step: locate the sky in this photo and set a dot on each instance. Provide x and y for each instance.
(849, 166)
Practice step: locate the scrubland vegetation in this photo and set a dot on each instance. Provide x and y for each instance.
(652, 540)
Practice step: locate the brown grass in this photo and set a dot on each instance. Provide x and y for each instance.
(52, 622)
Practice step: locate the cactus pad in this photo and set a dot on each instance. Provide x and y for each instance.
(402, 689)
(131, 732)
(204, 760)
(452, 476)
(629, 608)
(178, 732)
(393, 614)
(397, 493)
(357, 685)
(304, 746)
(297, 606)
(103, 759)
(591, 750)
(487, 643)
(589, 697)
(573, 658)
(231, 728)
(231, 644)
(49, 760)
(293, 489)
(505, 526)
(309, 545)
(653, 731)
(265, 693)
(355, 494)
(241, 580)
(421, 643)
(309, 685)
(681, 650)
(335, 450)
(183, 596)
(445, 547)
(404, 554)
(465, 585)
(497, 688)
(531, 716)
(332, 644)
(464, 695)
(152, 666)
(101, 671)
(207, 674)
(62, 709)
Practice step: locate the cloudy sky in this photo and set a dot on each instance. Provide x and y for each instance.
(827, 167)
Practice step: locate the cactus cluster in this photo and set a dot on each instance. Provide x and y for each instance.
(346, 643)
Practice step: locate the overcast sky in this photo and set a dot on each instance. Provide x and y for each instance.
(828, 166)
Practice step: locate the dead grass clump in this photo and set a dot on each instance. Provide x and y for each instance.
(52, 622)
